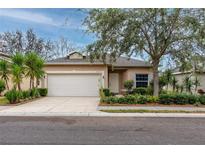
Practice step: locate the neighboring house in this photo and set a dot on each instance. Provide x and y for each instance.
(180, 76)
(75, 75)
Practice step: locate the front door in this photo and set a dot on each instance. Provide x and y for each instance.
(114, 82)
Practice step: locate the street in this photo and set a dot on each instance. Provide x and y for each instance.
(101, 130)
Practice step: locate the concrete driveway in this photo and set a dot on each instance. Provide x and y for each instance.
(55, 105)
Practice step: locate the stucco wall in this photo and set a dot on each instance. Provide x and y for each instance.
(130, 73)
(25, 85)
(76, 69)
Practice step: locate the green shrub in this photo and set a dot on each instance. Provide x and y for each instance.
(128, 84)
(201, 99)
(25, 94)
(176, 98)
(140, 90)
(152, 99)
(13, 96)
(43, 91)
(2, 86)
(106, 92)
(34, 93)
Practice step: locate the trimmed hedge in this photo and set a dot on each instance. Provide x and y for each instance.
(180, 99)
(43, 91)
(140, 90)
(130, 99)
(168, 99)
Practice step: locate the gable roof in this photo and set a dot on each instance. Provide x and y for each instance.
(120, 62)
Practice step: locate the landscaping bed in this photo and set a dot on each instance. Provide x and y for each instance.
(14, 97)
(169, 99)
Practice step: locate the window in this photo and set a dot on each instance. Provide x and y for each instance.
(141, 80)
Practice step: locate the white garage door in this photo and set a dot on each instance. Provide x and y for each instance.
(73, 84)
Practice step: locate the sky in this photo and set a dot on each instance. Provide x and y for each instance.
(48, 23)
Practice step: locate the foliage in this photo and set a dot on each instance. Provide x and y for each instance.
(2, 86)
(17, 69)
(128, 84)
(130, 99)
(156, 32)
(178, 98)
(25, 42)
(168, 77)
(140, 90)
(34, 68)
(196, 83)
(34, 93)
(43, 91)
(202, 99)
(106, 92)
(174, 83)
(25, 94)
(5, 71)
(188, 83)
(13, 96)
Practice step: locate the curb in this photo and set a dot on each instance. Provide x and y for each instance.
(103, 114)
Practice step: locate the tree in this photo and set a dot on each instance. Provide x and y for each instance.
(25, 43)
(2, 86)
(196, 83)
(5, 72)
(188, 83)
(39, 73)
(155, 32)
(17, 69)
(34, 68)
(168, 77)
(174, 83)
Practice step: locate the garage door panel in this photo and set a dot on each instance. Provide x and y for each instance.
(73, 84)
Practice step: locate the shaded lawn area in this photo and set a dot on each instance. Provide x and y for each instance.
(150, 111)
(3, 101)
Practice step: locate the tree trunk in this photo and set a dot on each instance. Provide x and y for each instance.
(156, 78)
(7, 85)
(19, 86)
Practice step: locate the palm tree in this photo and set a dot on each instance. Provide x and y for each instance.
(196, 83)
(39, 72)
(5, 71)
(34, 68)
(17, 76)
(17, 69)
(30, 63)
(174, 83)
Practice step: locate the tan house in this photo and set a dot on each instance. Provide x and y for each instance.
(75, 75)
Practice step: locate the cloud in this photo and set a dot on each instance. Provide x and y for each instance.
(28, 16)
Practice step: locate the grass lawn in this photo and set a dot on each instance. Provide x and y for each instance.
(150, 111)
(3, 101)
